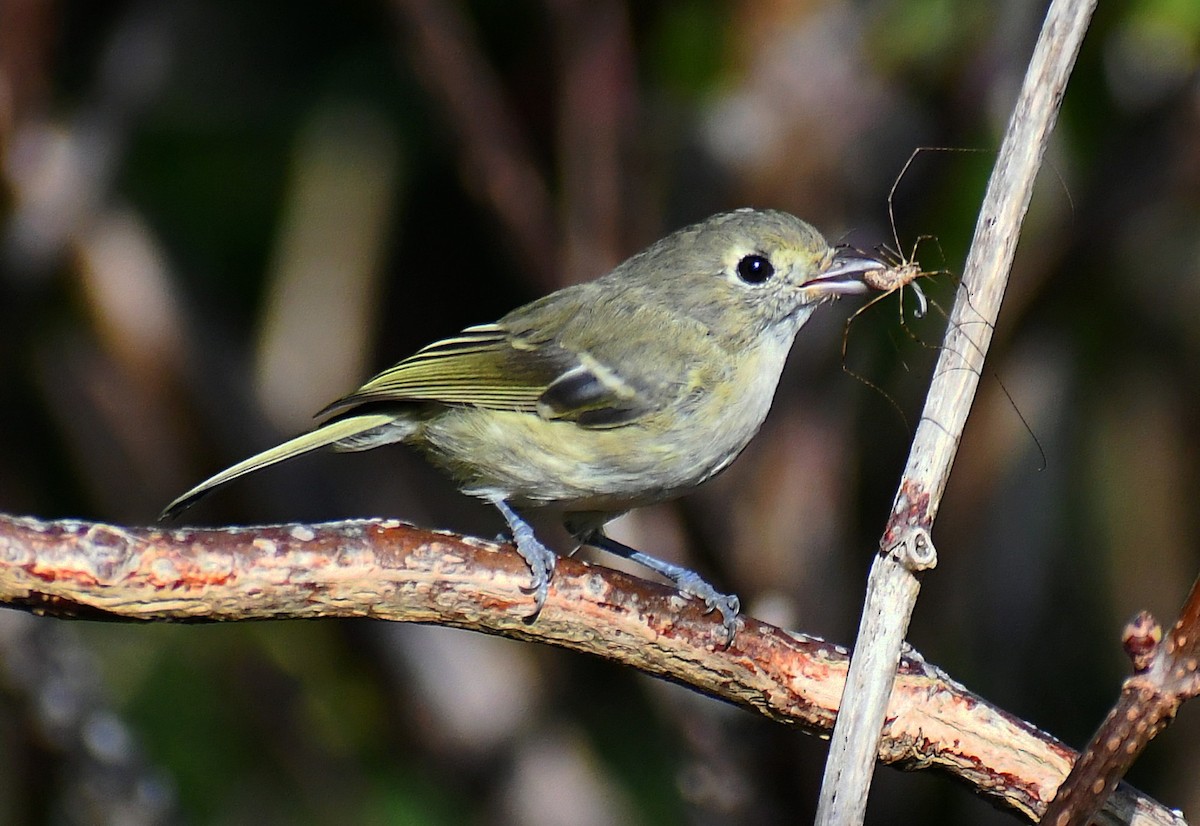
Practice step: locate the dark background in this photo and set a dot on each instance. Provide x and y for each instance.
(218, 216)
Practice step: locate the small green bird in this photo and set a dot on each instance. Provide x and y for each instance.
(607, 395)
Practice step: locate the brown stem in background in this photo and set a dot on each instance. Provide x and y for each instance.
(1165, 676)
(392, 571)
(497, 164)
(596, 101)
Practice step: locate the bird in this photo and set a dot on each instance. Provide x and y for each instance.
(606, 395)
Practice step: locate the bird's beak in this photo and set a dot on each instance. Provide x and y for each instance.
(844, 275)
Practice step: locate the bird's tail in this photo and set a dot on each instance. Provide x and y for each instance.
(327, 434)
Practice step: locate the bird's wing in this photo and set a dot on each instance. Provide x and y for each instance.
(559, 359)
(481, 366)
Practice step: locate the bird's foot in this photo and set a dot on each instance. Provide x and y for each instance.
(729, 605)
(537, 556)
(688, 581)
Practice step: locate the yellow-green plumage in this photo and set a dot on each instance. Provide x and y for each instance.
(606, 395)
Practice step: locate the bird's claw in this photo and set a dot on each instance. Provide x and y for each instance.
(537, 556)
(687, 581)
(728, 604)
(541, 567)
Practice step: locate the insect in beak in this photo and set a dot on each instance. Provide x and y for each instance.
(846, 274)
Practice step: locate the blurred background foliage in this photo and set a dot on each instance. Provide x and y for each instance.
(220, 215)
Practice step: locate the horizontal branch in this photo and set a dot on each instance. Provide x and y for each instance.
(393, 571)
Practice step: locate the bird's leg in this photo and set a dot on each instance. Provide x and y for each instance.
(685, 580)
(537, 556)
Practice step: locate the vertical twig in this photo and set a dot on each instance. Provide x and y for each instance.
(906, 548)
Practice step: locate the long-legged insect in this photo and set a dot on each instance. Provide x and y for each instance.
(896, 272)
(901, 271)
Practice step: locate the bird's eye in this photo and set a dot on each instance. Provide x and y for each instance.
(754, 269)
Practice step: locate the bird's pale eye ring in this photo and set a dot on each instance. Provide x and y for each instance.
(755, 269)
